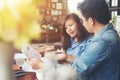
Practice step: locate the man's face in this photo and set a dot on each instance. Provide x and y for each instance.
(86, 23)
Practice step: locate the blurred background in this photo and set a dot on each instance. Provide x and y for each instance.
(37, 22)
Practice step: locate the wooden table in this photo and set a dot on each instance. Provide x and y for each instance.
(27, 76)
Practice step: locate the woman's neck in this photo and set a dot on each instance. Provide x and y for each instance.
(76, 39)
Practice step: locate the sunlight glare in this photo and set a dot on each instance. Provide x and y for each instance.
(72, 5)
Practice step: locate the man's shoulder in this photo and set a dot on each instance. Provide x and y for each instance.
(110, 35)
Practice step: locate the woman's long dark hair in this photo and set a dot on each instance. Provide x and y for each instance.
(66, 38)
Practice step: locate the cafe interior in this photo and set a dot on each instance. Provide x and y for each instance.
(52, 14)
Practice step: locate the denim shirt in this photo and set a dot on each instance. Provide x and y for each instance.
(77, 47)
(100, 59)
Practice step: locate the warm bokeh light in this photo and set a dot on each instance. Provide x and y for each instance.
(19, 21)
(72, 5)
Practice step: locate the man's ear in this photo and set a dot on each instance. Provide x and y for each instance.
(91, 20)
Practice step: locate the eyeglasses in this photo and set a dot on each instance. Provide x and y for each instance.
(81, 20)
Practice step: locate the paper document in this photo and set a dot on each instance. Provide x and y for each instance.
(30, 52)
(19, 59)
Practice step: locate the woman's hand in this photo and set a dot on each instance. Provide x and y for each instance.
(61, 56)
(35, 63)
(46, 48)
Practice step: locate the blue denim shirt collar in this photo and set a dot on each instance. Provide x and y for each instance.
(105, 28)
(74, 44)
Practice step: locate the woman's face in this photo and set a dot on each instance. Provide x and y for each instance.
(71, 28)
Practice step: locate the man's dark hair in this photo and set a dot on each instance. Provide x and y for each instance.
(97, 9)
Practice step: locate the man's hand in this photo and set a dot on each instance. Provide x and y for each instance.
(70, 58)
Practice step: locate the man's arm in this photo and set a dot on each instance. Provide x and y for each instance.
(93, 55)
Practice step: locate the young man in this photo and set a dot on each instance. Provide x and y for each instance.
(100, 59)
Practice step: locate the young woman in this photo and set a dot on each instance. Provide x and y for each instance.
(74, 37)
(74, 40)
